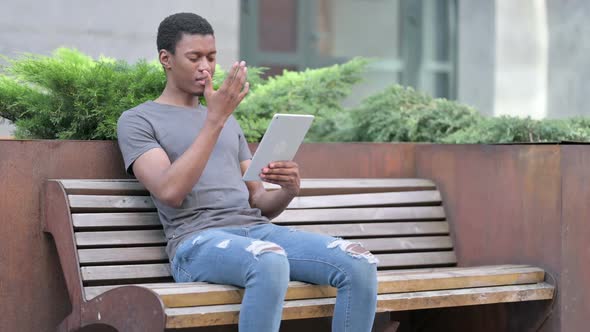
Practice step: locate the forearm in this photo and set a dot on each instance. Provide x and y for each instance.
(178, 180)
(272, 203)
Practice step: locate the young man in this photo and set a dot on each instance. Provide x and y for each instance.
(191, 158)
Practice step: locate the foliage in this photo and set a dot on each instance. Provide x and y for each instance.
(400, 114)
(314, 91)
(507, 129)
(69, 95)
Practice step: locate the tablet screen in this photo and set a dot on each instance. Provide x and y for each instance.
(280, 142)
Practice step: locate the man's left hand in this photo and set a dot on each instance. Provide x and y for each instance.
(284, 174)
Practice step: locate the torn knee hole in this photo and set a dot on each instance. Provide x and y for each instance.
(259, 247)
(354, 249)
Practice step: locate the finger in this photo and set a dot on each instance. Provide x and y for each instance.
(283, 164)
(279, 178)
(244, 92)
(230, 76)
(208, 84)
(280, 171)
(239, 77)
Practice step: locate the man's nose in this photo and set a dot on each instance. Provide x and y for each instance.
(203, 64)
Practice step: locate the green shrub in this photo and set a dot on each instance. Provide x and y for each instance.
(401, 114)
(314, 91)
(507, 129)
(71, 96)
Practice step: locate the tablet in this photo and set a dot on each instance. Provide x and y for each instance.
(280, 142)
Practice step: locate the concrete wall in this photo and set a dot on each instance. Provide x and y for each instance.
(569, 58)
(524, 58)
(521, 58)
(475, 54)
(120, 29)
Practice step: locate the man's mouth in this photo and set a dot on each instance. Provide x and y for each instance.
(200, 81)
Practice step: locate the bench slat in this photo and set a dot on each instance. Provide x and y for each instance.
(156, 236)
(115, 220)
(150, 219)
(119, 273)
(122, 255)
(360, 214)
(372, 199)
(404, 260)
(380, 229)
(94, 203)
(392, 281)
(300, 309)
(104, 187)
(122, 272)
(120, 238)
(143, 254)
(308, 186)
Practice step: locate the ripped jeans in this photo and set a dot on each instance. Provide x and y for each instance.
(263, 258)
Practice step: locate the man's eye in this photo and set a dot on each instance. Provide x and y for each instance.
(193, 59)
(211, 59)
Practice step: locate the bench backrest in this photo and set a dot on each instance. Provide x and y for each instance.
(119, 239)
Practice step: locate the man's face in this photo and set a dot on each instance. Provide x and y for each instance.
(194, 55)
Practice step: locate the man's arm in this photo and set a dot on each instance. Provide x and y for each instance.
(171, 182)
(282, 173)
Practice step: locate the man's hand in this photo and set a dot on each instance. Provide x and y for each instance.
(284, 174)
(223, 102)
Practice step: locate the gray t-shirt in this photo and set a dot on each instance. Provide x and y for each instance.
(220, 197)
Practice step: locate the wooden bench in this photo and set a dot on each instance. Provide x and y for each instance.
(111, 248)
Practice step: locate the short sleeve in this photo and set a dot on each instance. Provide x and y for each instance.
(244, 152)
(135, 136)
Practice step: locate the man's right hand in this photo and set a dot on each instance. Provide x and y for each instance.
(223, 102)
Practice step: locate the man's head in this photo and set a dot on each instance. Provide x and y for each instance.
(186, 46)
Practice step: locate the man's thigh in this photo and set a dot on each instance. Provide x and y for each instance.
(217, 256)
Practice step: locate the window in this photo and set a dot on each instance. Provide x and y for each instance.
(412, 42)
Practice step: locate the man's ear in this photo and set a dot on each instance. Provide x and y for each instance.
(165, 58)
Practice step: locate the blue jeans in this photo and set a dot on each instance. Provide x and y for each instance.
(263, 258)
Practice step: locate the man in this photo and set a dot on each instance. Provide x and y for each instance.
(191, 158)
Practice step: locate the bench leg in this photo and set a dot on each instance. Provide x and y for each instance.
(127, 309)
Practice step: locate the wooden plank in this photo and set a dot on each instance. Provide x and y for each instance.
(372, 199)
(140, 271)
(95, 203)
(126, 220)
(401, 260)
(104, 187)
(308, 186)
(143, 254)
(396, 281)
(407, 243)
(122, 255)
(313, 187)
(122, 272)
(380, 229)
(139, 237)
(360, 214)
(115, 220)
(301, 309)
(120, 238)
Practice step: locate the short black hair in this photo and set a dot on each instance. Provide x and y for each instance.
(174, 26)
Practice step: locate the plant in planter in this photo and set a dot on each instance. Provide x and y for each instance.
(69, 95)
